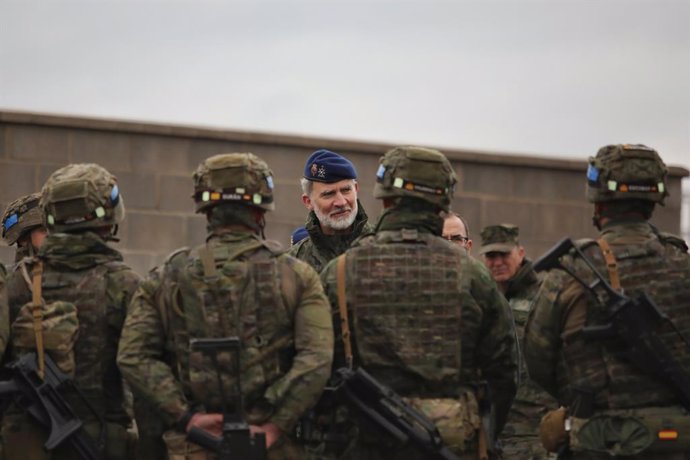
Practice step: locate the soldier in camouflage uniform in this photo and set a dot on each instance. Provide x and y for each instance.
(614, 408)
(427, 319)
(4, 327)
(22, 224)
(336, 217)
(513, 272)
(235, 285)
(4, 313)
(82, 207)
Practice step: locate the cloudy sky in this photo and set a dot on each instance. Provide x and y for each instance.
(543, 77)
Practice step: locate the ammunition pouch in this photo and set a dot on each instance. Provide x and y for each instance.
(628, 432)
(457, 419)
(552, 432)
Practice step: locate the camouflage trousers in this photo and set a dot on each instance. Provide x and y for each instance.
(524, 448)
(179, 448)
(24, 440)
(457, 420)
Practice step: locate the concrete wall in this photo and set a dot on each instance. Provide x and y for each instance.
(153, 163)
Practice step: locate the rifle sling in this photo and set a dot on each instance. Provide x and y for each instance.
(37, 314)
(611, 264)
(342, 307)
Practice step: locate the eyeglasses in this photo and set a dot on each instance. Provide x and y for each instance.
(458, 239)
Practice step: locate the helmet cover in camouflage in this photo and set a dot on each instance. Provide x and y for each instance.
(499, 238)
(417, 172)
(627, 171)
(79, 196)
(21, 216)
(233, 177)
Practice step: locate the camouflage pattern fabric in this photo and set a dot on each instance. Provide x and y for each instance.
(4, 312)
(499, 238)
(318, 249)
(519, 438)
(20, 217)
(82, 269)
(559, 358)
(625, 171)
(465, 325)
(272, 301)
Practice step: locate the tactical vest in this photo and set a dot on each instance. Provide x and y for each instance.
(235, 291)
(87, 290)
(404, 292)
(660, 270)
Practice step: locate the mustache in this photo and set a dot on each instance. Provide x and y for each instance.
(341, 209)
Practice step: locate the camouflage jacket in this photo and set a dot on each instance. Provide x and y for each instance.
(487, 334)
(531, 401)
(4, 312)
(317, 249)
(562, 360)
(273, 302)
(70, 262)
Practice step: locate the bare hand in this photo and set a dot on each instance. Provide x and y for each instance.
(271, 431)
(213, 423)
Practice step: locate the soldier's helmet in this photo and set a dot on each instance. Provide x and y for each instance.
(21, 216)
(417, 172)
(233, 177)
(81, 196)
(626, 171)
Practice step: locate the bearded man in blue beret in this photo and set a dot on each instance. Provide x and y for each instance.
(336, 217)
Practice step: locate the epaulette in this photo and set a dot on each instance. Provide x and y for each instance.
(674, 240)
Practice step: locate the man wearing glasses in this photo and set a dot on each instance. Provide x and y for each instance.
(505, 258)
(455, 229)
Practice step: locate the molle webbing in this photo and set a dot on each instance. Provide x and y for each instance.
(406, 309)
(231, 289)
(602, 366)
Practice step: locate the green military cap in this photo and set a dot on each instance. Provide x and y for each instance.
(499, 238)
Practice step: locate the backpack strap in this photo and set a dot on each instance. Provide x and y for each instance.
(342, 307)
(37, 314)
(611, 264)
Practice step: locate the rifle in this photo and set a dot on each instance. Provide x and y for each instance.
(41, 398)
(631, 320)
(237, 442)
(386, 409)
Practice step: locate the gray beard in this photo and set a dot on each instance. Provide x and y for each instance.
(336, 224)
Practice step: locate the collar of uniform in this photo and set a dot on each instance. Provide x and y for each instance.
(77, 251)
(325, 242)
(523, 280)
(631, 225)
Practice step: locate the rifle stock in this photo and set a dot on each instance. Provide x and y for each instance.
(390, 413)
(237, 441)
(631, 320)
(42, 399)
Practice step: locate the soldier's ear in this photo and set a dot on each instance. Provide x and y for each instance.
(521, 252)
(307, 202)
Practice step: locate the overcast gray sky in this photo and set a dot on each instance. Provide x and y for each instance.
(547, 77)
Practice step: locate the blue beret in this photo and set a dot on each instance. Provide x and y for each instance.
(298, 235)
(326, 166)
